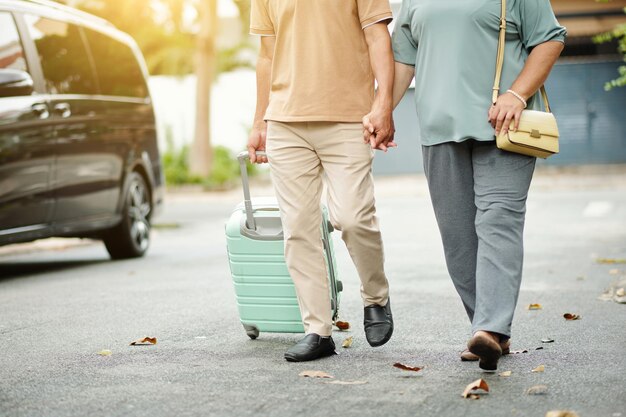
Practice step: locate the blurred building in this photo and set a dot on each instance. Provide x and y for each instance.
(591, 120)
(588, 17)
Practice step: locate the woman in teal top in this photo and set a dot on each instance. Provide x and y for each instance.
(478, 191)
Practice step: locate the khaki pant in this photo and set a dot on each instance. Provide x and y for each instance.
(301, 156)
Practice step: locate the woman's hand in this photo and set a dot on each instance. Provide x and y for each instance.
(507, 110)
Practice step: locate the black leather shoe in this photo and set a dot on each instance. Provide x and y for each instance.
(378, 323)
(311, 347)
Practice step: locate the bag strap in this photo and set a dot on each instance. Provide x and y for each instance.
(500, 62)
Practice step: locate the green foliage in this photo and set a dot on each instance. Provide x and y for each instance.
(164, 34)
(244, 14)
(176, 168)
(231, 58)
(225, 173)
(168, 49)
(619, 34)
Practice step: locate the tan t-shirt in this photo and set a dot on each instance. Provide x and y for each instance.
(321, 69)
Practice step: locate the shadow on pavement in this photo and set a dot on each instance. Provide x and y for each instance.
(13, 270)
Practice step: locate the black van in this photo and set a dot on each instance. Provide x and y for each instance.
(78, 138)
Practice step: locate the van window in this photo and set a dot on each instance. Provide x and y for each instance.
(63, 56)
(118, 71)
(11, 52)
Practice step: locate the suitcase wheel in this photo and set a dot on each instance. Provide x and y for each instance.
(330, 227)
(251, 331)
(339, 286)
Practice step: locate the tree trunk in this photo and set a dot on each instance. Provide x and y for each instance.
(201, 155)
(244, 15)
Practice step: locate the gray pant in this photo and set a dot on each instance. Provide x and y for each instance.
(479, 196)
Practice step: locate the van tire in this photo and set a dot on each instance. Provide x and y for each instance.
(131, 237)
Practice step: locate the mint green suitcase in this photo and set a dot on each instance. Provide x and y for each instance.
(266, 296)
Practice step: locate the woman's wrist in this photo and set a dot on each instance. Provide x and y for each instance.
(518, 96)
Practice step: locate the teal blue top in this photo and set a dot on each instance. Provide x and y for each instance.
(453, 46)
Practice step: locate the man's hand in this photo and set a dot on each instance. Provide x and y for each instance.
(507, 109)
(379, 130)
(256, 142)
(378, 124)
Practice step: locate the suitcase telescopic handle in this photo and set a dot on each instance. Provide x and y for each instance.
(247, 200)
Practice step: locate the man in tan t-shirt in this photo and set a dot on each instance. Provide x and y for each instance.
(315, 85)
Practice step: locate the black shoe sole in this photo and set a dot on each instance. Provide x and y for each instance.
(294, 358)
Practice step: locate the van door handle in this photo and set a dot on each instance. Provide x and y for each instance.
(63, 109)
(40, 110)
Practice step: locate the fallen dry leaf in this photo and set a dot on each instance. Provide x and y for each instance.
(610, 261)
(478, 384)
(561, 413)
(342, 325)
(547, 340)
(618, 288)
(144, 341)
(337, 382)
(570, 316)
(505, 373)
(539, 348)
(540, 368)
(534, 307)
(537, 390)
(515, 352)
(315, 374)
(406, 367)
(105, 352)
(347, 343)
(473, 397)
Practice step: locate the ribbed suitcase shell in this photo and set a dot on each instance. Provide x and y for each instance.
(265, 293)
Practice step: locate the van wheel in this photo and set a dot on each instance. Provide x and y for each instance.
(131, 238)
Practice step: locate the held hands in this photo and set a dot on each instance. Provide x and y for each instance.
(379, 129)
(256, 142)
(505, 114)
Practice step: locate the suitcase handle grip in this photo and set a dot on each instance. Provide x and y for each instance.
(247, 201)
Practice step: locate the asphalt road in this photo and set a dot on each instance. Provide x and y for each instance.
(60, 306)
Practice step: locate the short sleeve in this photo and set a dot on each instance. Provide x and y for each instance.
(538, 23)
(373, 11)
(404, 46)
(260, 21)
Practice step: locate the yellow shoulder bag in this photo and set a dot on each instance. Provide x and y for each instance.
(538, 133)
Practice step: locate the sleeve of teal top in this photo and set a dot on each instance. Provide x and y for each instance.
(404, 47)
(538, 23)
